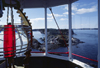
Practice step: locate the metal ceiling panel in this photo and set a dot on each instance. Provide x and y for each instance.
(40, 3)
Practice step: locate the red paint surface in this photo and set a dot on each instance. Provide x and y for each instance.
(9, 41)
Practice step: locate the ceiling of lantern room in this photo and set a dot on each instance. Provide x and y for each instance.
(40, 3)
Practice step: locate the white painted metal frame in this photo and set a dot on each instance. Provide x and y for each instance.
(70, 36)
(70, 32)
(70, 44)
(46, 45)
(98, 33)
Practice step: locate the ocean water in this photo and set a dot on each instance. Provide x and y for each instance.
(37, 35)
(87, 49)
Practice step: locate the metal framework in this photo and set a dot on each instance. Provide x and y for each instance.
(98, 33)
(39, 3)
(46, 45)
(70, 32)
(51, 3)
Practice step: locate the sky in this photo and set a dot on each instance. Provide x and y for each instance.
(84, 15)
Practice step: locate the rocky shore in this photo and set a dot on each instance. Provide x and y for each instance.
(55, 40)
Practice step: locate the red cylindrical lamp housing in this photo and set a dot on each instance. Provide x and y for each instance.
(9, 41)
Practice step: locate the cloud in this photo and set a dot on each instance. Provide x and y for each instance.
(74, 6)
(83, 5)
(3, 23)
(62, 19)
(68, 13)
(86, 10)
(56, 15)
(92, 3)
(18, 20)
(40, 19)
(82, 10)
(36, 19)
(9, 16)
(50, 18)
(49, 14)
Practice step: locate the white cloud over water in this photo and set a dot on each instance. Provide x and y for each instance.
(37, 19)
(77, 10)
(86, 10)
(62, 19)
(40, 19)
(84, 5)
(68, 13)
(56, 15)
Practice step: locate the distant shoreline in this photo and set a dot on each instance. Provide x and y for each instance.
(67, 29)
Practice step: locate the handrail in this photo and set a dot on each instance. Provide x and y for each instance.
(67, 53)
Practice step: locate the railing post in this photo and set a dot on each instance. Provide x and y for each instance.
(70, 32)
(98, 33)
(46, 48)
